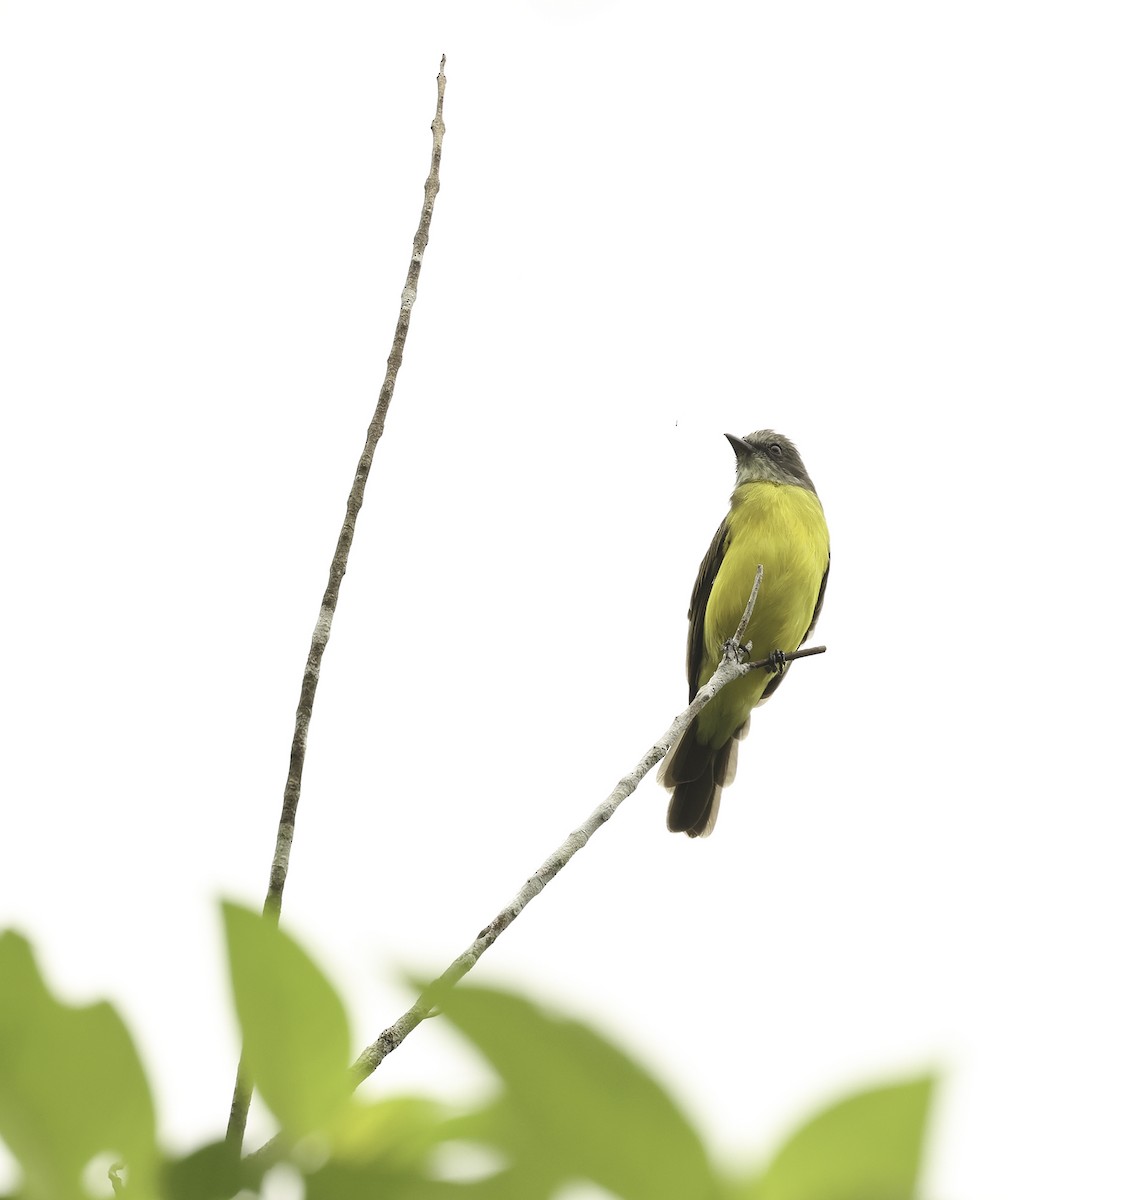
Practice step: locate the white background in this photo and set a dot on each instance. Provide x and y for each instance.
(896, 232)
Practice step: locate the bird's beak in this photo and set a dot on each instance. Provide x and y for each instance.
(740, 445)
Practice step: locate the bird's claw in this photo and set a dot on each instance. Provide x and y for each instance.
(732, 650)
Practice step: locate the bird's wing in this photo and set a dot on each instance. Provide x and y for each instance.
(819, 603)
(775, 682)
(697, 614)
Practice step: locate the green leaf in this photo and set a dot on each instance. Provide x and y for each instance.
(400, 1132)
(867, 1147)
(504, 1124)
(72, 1086)
(347, 1181)
(591, 1111)
(295, 1031)
(212, 1172)
(388, 1148)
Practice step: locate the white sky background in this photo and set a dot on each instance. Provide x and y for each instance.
(896, 232)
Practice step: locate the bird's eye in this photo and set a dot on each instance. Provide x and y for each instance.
(776, 449)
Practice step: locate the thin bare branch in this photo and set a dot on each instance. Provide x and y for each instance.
(744, 622)
(272, 905)
(431, 998)
(729, 669)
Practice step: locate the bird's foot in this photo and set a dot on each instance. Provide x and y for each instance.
(777, 662)
(734, 651)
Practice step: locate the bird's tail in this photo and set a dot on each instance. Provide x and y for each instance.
(696, 773)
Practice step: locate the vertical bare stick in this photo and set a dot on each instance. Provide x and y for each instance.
(739, 633)
(272, 905)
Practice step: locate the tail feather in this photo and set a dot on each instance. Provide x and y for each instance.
(696, 774)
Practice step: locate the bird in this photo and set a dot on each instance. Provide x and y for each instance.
(775, 520)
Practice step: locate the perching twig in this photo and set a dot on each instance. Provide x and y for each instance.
(285, 837)
(739, 633)
(729, 669)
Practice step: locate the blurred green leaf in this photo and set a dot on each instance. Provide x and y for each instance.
(348, 1181)
(71, 1085)
(506, 1124)
(212, 1172)
(395, 1143)
(295, 1031)
(593, 1112)
(399, 1132)
(867, 1147)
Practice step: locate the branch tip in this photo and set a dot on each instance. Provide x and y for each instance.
(740, 631)
(280, 863)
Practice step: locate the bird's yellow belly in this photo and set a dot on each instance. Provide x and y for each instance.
(783, 529)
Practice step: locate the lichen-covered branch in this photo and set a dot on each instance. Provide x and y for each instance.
(730, 668)
(272, 905)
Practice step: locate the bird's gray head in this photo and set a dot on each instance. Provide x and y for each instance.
(767, 457)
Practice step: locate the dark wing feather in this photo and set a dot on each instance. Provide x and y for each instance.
(707, 573)
(819, 602)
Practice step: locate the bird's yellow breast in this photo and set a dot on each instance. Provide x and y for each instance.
(781, 527)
